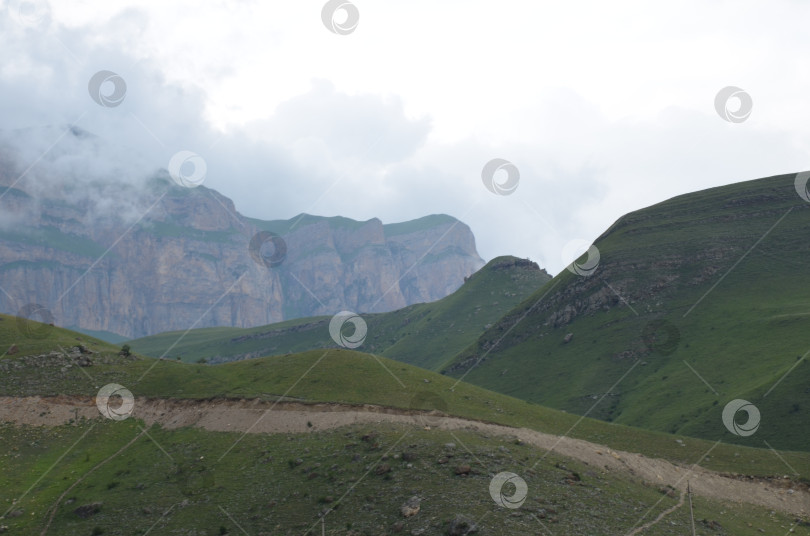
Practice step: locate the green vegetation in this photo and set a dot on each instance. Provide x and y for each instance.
(419, 224)
(171, 230)
(657, 264)
(282, 227)
(21, 337)
(425, 334)
(697, 301)
(348, 377)
(51, 237)
(176, 481)
(170, 478)
(742, 337)
(226, 343)
(108, 336)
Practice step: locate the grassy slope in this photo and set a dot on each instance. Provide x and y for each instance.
(337, 375)
(741, 338)
(180, 480)
(30, 337)
(424, 334)
(107, 336)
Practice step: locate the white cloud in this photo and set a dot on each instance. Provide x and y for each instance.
(604, 107)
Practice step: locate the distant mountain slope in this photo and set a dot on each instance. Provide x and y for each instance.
(140, 257)
(696, 301)
(425, 334)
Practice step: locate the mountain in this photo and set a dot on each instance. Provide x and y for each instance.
(342, 442)
(118, 260)
(425, 334)
(695, 302)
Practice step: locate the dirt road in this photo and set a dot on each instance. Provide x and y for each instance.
(261, 417)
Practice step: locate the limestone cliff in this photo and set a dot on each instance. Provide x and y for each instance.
(177, 258)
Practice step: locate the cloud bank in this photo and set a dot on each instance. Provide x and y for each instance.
(397, 119)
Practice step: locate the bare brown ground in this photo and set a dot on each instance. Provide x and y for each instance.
(262, 417)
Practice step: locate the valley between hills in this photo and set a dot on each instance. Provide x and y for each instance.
(519, 403)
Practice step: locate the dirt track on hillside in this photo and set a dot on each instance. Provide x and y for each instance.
(256, 416)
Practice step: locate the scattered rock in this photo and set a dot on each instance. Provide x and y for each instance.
(463, 470)
(711, 524)
(382, 469)
(568, 338)
(669, 491)
(541, 513)
(461, 526)
(411, 507)
(88, 510)
(572, 478)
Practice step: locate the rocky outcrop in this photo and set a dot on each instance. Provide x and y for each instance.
(178, 258)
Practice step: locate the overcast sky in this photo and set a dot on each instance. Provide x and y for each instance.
(602, 107)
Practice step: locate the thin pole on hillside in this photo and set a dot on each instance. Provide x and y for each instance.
(691, 512)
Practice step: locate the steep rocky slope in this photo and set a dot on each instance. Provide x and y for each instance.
(695, 302)
(116, 259)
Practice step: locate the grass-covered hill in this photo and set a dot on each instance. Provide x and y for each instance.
(350, 481)
(347, 377)
(425, 334)
(104, 477)
(696, 301)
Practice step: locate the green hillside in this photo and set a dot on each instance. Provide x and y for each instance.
(696, 301)
(104, 477)
(425, 334)
(171, 482)
(349, 377)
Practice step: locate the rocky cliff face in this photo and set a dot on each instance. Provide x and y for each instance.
(180, 258)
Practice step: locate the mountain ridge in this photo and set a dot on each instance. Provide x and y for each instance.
(125, 260)
(696, 301)
(423, 334)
